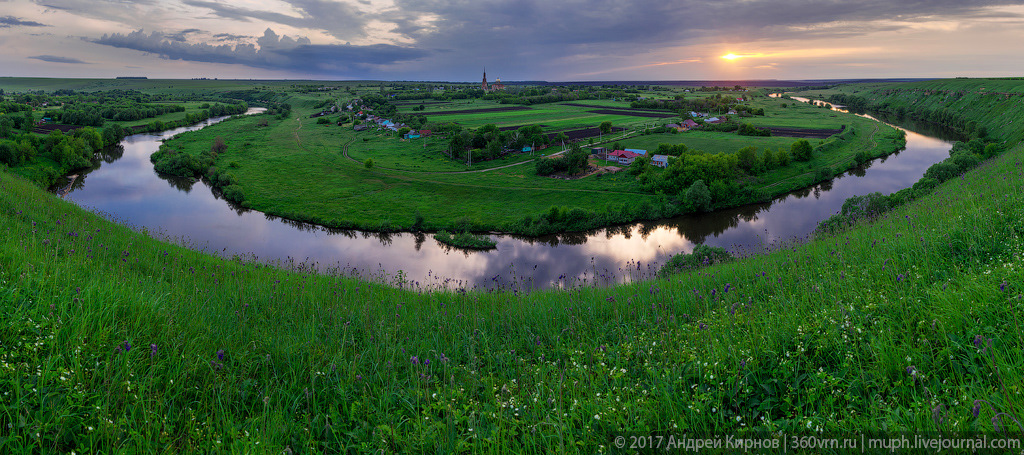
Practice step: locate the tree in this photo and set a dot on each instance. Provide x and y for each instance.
(6, 126)
(606, 127)
(747, 158)
(368, 163)
(801, 150)
(699, 196)
(218, 145)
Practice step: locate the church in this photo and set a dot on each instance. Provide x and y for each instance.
(497, 85)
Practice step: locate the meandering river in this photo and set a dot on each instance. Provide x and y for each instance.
(124, 186)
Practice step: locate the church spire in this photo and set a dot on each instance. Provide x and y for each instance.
(484, 85)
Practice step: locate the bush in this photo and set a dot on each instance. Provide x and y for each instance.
(699, 196)
(702, 256)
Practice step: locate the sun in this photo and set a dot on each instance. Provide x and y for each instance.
(731, 56)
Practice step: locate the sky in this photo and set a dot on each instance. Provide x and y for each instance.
(552, 40)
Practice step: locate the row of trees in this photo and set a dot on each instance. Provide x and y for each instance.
(71, 151)
(571, 162)
(492, 142)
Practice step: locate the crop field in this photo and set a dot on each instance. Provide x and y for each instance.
(635, 113)
(490, 110)
(707, 141)
(804, 132)
(555, 116)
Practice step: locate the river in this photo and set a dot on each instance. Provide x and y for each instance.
(124, 186)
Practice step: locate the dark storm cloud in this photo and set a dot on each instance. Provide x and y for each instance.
(648, 22)
(11, 21)
(273, 52)
(337, 19)
(56, 59)
(182, 36)
(229, 37)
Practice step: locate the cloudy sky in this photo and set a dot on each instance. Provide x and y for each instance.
(554, 40)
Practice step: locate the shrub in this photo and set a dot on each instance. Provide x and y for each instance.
(702, 256)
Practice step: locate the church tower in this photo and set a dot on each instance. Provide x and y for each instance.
(484, 85)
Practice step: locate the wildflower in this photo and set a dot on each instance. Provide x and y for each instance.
(976, 409)
(152, 350)
(426, 362)
(127, 346)
(220, 355)
(912, 371)
(415, 360)
(978, 340)
(1002, 287)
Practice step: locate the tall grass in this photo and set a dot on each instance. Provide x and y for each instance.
(113, 341)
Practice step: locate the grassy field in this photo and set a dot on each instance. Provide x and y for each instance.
(115, 342)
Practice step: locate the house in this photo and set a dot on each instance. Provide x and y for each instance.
(660, 160)
(638, 152)
(689, 124)
(412, 135)
(425, 133)
(360, 127)
(674, 126)
(714, 120)
(527, 149)
(622, 156)
(732, 112)
(599, 152)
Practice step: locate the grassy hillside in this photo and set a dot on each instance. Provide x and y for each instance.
(113, 341)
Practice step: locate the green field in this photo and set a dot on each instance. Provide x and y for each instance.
(116, 342)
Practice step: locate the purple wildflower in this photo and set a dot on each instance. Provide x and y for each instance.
(978, 340)
(415, 360)
(1002, 287)
(426, 362)
(220, 355)
(152, 350)
(976, 409)
(127, 346)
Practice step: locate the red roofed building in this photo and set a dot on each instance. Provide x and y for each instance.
(622, 156)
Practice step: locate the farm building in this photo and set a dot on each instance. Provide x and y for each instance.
(622, 157)
(425, 133)
(600, 152)
(660, 160)
(689, 124)
(674, 126)
(637, 151)
(412, 135)
(360, 128)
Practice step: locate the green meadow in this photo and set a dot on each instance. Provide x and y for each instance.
(116, 342)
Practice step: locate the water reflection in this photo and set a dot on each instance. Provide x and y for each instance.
(127, 187)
